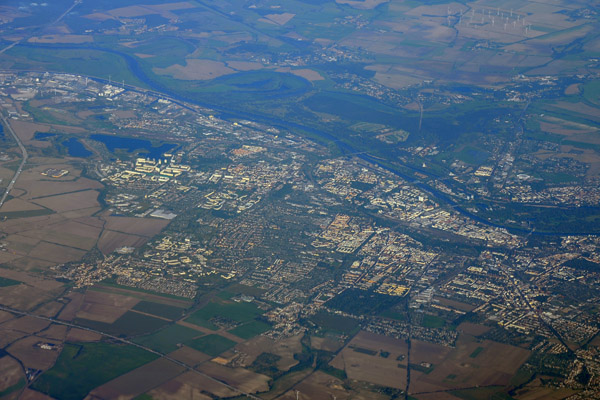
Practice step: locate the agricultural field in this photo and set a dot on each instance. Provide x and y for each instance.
(212, 345)
(52, 219)
(30, 292)
(82, 367)
(362, 360)
(335, 323)
(471, 361)
(239, 378)
(129, 324)
(168, 339)
(31, 355)
(191, 386)
(159, 309)
(8, 282)
(319, 386)
(139, 380)
(109, 286)
(410, 42)
(230, 310)
(12, 376)
(104, 307)
(284, 349)
(331, 344)
(250, 329)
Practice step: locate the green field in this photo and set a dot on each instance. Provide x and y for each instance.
(11, 389)
(432, 321)
(356, 108)
(476, 352)
(579, 219)
(336, 323)
(82, 367)
(239, 312)
(250, 329)
(167, 339)
(266, 364)
(472, 155)
(362, 350)
(225, 295)
(70, 59)
(26, 214)
(166, 50)
(557, 177)
(41, 115)
(129, 324)
(213, 345)
(158, 309)
(367, 127)
(394, 315)
(591, 92)
(483, 393)
(203, 323)
(144, 397)
(236, 91)
(358, 302)
(8, 282)
(420, 368)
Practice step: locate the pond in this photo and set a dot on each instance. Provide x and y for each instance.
(131, 145)
(43, 135)
(76, 148)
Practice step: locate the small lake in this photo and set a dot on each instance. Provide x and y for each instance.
(131, 145)
(43, 135)
(76, 148)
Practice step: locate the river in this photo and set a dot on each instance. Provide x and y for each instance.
(137, 70)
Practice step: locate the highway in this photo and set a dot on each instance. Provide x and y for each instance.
(23, 151)
(23, 161)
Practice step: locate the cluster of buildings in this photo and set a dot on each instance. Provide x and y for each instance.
(377, 189)
(270, 211)
(574, 195)
(404, 330)
(158, 274)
